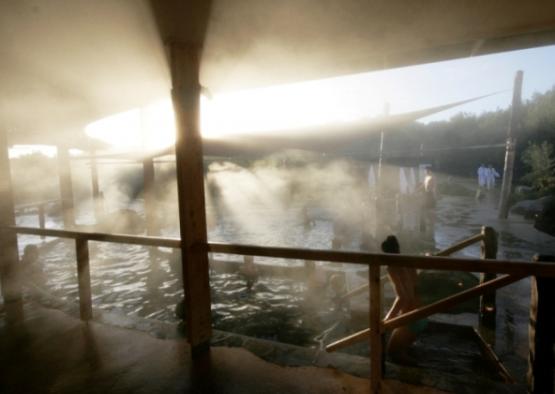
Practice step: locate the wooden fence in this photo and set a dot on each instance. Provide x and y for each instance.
(513, 270)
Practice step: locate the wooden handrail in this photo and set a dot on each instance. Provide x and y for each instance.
(35, 204)
(460, 245)
(397, 260)
(100, 237)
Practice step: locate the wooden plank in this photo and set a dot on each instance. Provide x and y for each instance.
(95, 184)
(42, 217)
(84, 278)
(184, 61)
(460, 245)
(149, 197)
(420, 262)
(488, 312)
(425, 311)
(11, 288)
(493, 359)
(348, 340)
(397, 260)
(100, 237)
(541, 332)
(66, 188)
(376, 350)
(514, 126)
(449, 302)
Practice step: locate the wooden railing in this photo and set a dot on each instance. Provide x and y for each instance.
(515, 270)
(40, 207)
(489, 242)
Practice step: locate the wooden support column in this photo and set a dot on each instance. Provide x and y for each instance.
(149, 197)
(488, 310)
(9, 278)
(98, 205)
(541, 333)
(376, 351)
(184, 60)
(514, 126)
(66, 188)
(84, 278)
(42, 217)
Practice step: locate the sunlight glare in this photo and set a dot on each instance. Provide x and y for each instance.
(284, 107)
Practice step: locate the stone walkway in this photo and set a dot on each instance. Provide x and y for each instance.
(51, 352)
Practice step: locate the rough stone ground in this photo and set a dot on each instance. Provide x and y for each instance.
(51, 352)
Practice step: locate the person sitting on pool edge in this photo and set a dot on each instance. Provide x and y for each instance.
(404, 282)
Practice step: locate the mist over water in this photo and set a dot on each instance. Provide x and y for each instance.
(293, 199)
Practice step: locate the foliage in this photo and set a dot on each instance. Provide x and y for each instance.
(539, 159)
(459, 145)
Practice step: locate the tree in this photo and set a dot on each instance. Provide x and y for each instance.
(539, 159)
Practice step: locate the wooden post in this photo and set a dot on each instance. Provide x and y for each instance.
(149, 197)
(66, 189)
(488, 301)
(376, 352)
(514, 125)
(84, 278)
(184, 60)
(42, 218)
(97, 200)
(541, 333)
(11, 287)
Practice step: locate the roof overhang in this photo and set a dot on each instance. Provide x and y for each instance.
(64, 64)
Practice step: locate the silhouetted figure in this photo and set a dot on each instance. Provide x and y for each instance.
(429, 188)
(404, 282)
(491, 175)
(308, 223)
(249, 271)
(316, 282)
(31, 270)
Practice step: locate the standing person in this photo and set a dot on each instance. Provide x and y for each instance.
(429, 204)
(491, 174)
(404, 282)
(482, 180)
(482, 176)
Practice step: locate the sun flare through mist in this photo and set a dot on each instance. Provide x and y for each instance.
(284, 107)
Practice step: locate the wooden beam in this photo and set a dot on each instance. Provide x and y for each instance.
(190, 187)
(84, 278)
(493, 359)
(487, 313)
(541, 332)
(348, 340)
(396, 260)
(98, 203)
(375, 312)
(9, 278)
(460, 245)
(149, 197)
(425, 311)
(419, 262)
(514, 126)
(449, 302)
(66, 188)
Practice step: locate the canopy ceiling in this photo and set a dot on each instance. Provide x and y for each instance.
(65, 63)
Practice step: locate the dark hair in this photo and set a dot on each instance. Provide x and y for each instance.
(391, 245)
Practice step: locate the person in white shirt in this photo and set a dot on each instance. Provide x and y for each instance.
(482, 181)
(491, 174)
(482, 175)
